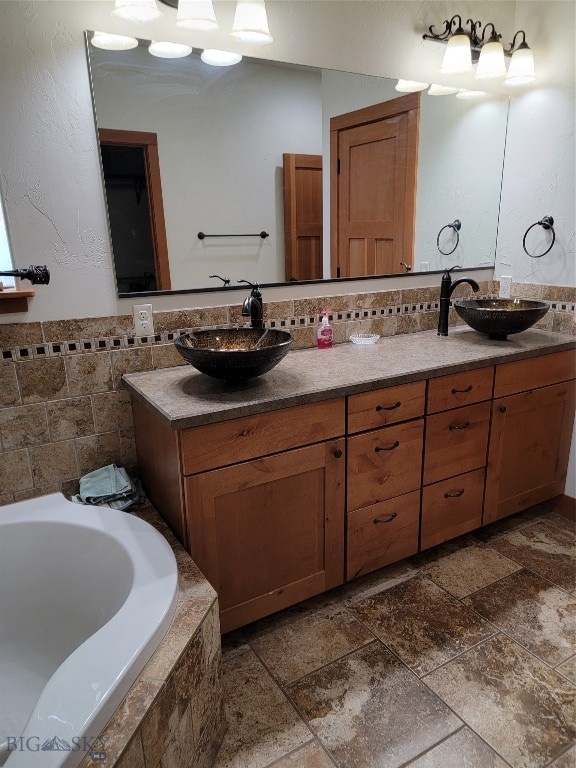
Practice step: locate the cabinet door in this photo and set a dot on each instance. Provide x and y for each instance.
(529, 447)
(384, 463)
(269, 533)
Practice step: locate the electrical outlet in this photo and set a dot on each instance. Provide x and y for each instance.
(505, 286)
(143, 319)
(424, 266)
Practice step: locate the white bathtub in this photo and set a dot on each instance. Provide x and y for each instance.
(86, 594)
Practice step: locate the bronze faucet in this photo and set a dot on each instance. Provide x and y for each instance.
(446, 290)
(252, 306)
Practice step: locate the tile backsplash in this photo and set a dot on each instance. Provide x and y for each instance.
(63, 411)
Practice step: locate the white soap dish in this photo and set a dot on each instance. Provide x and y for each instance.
(364, 338)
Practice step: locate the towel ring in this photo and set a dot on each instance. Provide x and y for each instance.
(455, 226)
(547, 222)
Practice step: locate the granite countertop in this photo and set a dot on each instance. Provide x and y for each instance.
(182, 397)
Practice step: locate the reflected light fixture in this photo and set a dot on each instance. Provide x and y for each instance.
(468, 95)
(441, 90)
(166, 50)
(136, 10)
(410, 86)
(464, 48)
(251, 22)
(491, 62)
(196, 14)
(521, 70)
(109, 42)
(218, 58)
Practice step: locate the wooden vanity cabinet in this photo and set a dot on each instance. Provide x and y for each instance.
(455, 452)
(531, 433)
(383, 476)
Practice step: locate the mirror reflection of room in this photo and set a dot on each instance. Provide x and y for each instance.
(247, 148)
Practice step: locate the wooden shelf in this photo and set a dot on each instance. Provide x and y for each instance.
(15, 300)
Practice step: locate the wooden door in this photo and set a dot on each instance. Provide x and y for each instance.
(374, 154)
(303, 217)
(148, 143)
(529, 447)
(269, 533)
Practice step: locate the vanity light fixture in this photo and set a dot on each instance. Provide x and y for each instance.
(196, 14)
(468, 95)
(410, 86)
(138, 11)
(441, 90)
(521, 69)
(465, 47)
(165, 50)
(218, 58)
(251, 22)
(491, 62)
(109, 42)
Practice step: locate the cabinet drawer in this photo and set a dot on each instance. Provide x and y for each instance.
(451, 508)
(370, 410)
(522, 375)
(384, 463)
(456, 442)
(459, 389)
(229, 442)
(381, 534)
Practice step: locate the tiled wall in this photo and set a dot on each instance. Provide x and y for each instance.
(63, 411)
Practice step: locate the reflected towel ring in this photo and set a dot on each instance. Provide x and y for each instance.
(547, 222)
(455, 225)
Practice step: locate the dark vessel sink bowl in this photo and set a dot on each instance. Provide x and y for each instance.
(500, 317)
(234, 354)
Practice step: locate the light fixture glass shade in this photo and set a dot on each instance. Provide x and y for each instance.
(458, 56)
(441, 90)
(521, 70)
(165, 50)
(491, 62)
(251, 22)
(136, 10)
(196, 14)
(110, 42)
(468, 95)
(410, 86)
(220, 58)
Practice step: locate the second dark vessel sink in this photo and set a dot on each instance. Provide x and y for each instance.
(234, 354)
(500, 317)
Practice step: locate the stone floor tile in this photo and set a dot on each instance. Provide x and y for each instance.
(567, 760)
(310, 642)
(421, 623)
(369, 710)
(539, 615)
(523, 709)
(469, 569)
(568, 668)
(262, 724)
(462, 750)
(309, 756)
(379, 580)
(544, 549)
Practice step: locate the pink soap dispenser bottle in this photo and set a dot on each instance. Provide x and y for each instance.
(325, 332)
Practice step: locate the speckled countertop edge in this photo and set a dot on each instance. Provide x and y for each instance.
(182, 397)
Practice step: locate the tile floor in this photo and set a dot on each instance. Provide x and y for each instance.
(461, 657)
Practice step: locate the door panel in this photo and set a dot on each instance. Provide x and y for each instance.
(303, 217)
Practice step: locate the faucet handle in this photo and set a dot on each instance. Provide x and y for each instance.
(255, 288)
(456, 266)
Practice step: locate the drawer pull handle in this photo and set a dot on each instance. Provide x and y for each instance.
(469, 388)
(395, 444)
(337, 453)
(389, 407)
(502, 409)
(459, 426)
(387, 520)
(454, 494)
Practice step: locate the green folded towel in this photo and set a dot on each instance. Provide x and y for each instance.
(109, 486)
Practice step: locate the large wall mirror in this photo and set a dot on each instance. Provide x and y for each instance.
(233, 152)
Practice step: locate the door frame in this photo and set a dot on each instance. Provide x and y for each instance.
(409, 104)
(149, 143)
